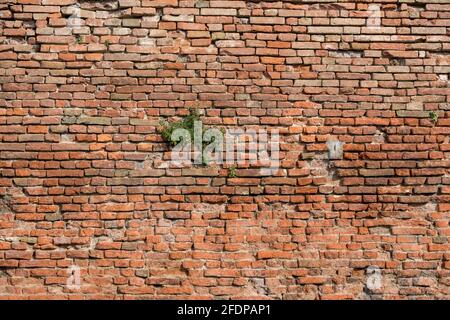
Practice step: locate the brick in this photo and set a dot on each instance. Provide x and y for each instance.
(41, 9)
(218, 12)
(412, 114)
(94, 120)
(159, 3)
(267, 20)
(425, 30)
(325, 30)
(376, 172)
(129, 3)
(58, 2)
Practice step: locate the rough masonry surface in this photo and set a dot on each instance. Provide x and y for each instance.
(84, 188)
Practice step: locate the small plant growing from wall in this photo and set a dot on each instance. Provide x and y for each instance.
(434, 116)
(232, 172)
(186, 123)
(78, 39)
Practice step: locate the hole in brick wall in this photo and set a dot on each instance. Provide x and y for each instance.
(397, 62)
(394, 61)
(420, 40)
(266, 75)
(379, 137)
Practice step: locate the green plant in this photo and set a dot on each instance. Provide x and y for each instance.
(186, 123)
(232, 172)
(433, 116)
(78, 39)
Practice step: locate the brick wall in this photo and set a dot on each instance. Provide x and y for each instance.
(83, 186)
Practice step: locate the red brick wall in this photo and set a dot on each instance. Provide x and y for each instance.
(81, 180)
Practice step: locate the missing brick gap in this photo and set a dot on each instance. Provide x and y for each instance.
(379, 137)
(265, 75)
(397, 61)
(419, 40)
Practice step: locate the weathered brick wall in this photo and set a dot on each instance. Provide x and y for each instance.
(82, 183)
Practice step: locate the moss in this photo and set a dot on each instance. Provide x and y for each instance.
(232, 172)
(186, 123)
(434, 116)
